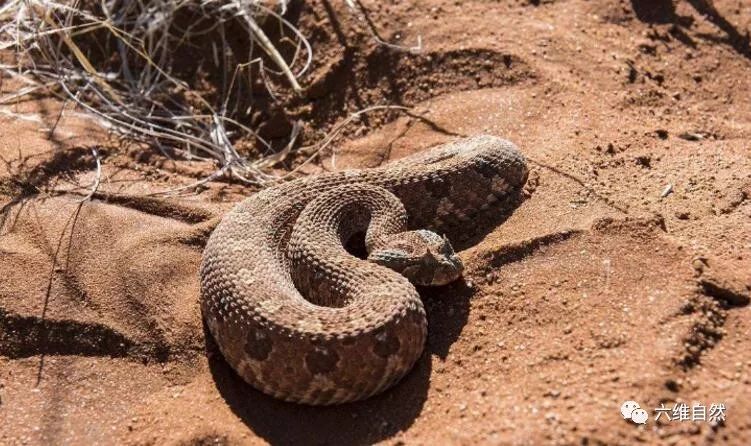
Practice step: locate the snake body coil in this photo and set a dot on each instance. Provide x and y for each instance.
(300, 318)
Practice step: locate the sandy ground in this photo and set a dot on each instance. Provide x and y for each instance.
(623, 276)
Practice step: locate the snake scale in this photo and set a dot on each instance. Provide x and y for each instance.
(299, 317)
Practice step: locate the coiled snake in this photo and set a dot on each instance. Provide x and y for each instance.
(298, 316)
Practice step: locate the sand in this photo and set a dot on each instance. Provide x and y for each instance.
(624, 275)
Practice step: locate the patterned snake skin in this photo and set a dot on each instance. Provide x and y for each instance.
(299, 317)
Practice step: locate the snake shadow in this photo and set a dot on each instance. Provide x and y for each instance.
(364, 422)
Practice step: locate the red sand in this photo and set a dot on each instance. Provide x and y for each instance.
(597, 290)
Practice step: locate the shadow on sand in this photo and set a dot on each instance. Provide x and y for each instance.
(663, 11)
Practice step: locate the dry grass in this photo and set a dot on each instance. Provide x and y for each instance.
(133, 64)
(124, 61)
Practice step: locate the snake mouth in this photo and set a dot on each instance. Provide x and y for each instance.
(447, 272)
(450, 272)
(433, 272)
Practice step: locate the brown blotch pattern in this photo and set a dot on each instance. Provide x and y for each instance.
(320, 361)
(258, 345)
(386, 344)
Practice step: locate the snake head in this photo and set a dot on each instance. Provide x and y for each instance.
(423, 257)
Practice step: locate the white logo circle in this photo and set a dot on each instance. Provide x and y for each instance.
(627, 409)
(639, 416)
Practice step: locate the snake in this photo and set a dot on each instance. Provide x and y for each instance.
(300, 314)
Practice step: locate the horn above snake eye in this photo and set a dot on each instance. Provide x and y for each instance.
(447, 249)
(429, 257)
